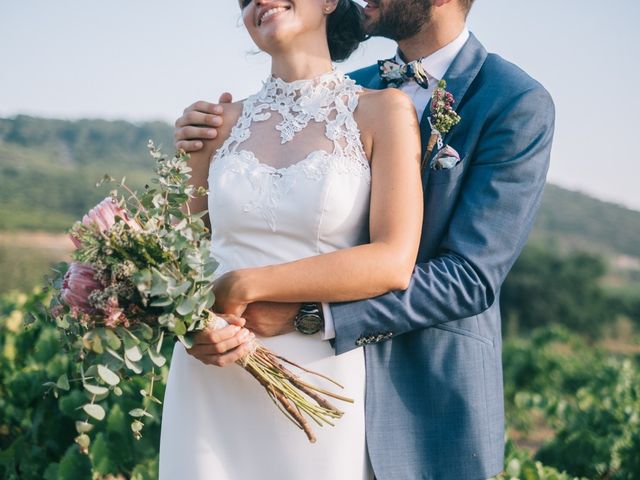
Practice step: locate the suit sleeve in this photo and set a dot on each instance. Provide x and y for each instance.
(488, 229)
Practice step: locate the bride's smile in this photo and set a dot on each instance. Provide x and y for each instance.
(286, 26)
(267, 14)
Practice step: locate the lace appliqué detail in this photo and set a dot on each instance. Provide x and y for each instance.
(331, 99)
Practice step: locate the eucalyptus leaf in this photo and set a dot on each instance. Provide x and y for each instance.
(159, 344)
(83, 427)
(96, 345)
(63, 382)
(162, 302)
(133, 353)
(179, 289)
(134, 366)
(94, 410)
(108, 376)
(186, 306)
(115, 354)
(156, 358)
(95, 389)
(117, 391)
(112, 339)
(142, 279)
(180, 328)
(139, 412)
(145, 331)
(186, 340)
(136, 426)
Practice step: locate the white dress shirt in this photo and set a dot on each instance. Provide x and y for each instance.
(436, 65)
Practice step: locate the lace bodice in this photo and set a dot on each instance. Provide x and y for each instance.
(293, 168)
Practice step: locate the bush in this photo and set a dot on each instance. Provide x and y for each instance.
(37, 429)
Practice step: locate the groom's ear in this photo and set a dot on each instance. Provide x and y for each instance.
(329, 6)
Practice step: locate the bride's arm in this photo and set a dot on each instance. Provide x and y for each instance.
(364, 271)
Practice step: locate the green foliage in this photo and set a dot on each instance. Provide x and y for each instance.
(590, 398)
(545, 287)
(597, 431)
(520, 466)
(48, 168)
(37, 429)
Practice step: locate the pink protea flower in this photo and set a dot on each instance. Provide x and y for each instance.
(77, 285)
(103, 215)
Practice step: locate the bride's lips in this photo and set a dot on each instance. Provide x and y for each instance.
(268, 13)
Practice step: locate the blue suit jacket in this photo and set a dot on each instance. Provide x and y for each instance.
(434, 401)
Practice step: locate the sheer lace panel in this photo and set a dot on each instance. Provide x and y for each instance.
(296, 128)
(287, 123)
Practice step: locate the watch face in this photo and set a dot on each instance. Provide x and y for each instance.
(309, 324)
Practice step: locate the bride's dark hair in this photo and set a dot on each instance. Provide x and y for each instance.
(345, 30)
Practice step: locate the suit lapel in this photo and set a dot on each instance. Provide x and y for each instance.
(375, 82)
(459, 76)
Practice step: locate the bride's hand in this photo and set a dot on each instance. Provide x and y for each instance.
(224, 346)
(232, 294)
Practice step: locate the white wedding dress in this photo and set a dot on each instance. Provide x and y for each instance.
(291, 181)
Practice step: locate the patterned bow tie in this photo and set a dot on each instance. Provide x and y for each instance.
(395, 74)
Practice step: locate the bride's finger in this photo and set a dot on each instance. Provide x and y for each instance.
(233, 319)
(223, 347)
(208, 336)
(228, 358)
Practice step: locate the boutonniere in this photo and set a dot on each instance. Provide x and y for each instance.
(442, 119)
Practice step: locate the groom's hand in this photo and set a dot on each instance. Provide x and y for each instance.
(270, 319)
(224, 346)
(199, 122)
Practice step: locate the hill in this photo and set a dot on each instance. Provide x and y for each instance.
(574, 220)
(48, 169)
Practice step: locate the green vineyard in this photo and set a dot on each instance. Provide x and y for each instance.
(573, 410)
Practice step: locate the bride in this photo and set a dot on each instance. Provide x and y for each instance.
(315, 196)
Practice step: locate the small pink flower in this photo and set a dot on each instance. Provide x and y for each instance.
(77, 285)
(104, 216)
(114, 315)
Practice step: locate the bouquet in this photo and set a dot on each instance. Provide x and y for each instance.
(142, 272)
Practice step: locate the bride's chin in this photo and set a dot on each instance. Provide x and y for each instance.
(276, 41)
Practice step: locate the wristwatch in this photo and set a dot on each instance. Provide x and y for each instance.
(309, 319)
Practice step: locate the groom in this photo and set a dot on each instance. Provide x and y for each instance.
(434, 402)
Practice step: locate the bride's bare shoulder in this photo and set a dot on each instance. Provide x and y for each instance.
(380, 101)
(380, 110)
(230, 115)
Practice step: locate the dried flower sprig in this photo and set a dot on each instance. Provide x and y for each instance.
(443, 118)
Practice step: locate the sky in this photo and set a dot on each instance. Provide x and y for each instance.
(144, 60)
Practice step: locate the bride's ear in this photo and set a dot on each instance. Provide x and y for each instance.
(329, 6)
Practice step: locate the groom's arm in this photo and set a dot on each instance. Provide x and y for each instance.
(488, 229)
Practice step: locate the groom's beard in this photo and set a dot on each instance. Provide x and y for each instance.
(399, 19)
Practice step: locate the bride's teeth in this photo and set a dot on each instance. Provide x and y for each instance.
(270, 12)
